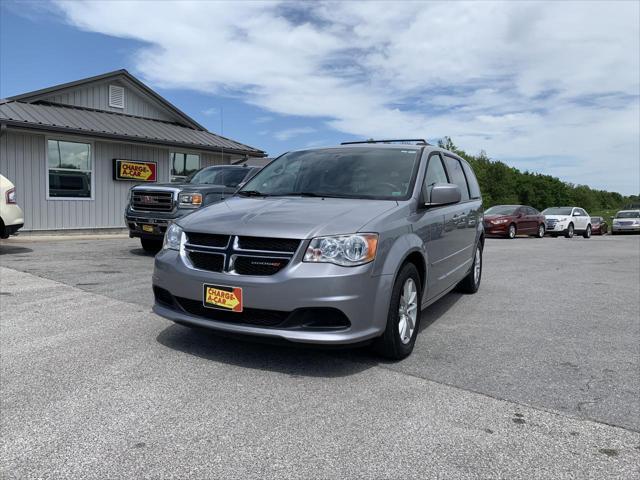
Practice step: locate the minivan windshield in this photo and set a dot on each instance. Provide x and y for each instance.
(353, 172)
(628, 215)
(229, 177)
(557, 211)
(501, 210)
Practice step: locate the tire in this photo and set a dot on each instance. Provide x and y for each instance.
(541, 231)
(471, 283)
(392, 344)
(150, 245)
(570, 231)
(512, 232)
(587, 232)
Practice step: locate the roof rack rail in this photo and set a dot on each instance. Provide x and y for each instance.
(421, 141)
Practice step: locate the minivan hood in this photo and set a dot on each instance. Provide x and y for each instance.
(286, 217)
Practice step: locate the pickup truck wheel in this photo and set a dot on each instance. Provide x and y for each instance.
(150, 245)
(471, 283)
(587, 232)
(403, 319)
(569, 232)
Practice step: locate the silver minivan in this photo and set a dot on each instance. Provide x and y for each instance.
(340, 245)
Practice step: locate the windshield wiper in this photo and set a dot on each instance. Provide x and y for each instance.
(300, 194)
(251, 193)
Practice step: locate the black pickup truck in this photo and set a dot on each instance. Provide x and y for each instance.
(152, 208)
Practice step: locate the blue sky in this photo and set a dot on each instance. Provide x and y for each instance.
(547, 87)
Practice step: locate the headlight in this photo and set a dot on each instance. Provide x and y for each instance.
(172, 237)
(345, 250)
(498, 222)
(11, 195)
(190, 200)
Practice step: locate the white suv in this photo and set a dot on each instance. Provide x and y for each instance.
(11, 216)
(567, 221)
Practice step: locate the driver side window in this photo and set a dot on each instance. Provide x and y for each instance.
(435, 174)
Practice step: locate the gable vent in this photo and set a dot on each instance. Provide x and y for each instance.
(116, 96)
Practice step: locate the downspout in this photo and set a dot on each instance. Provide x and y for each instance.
(3, 129)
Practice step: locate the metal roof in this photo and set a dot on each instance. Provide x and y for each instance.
(100, 123)
(122, 74)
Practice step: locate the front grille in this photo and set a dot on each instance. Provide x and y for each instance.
(258, 265)
(213, 262)
(250, 316)
(268, 244)
(208, 239)
(152, 200)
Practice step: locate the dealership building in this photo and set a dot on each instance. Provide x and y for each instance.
(74, 150)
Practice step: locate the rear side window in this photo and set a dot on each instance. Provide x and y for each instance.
(474, 188)
(456, 175)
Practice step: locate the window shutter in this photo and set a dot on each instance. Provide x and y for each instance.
(116, 96)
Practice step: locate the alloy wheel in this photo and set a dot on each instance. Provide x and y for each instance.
(477, 266)
(408, 310)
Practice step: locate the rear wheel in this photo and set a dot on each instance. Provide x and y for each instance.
(403, 319)
(471, 283)
(150, 245)
(587, 232)
(569, 232)
(541, 231)
(511, 233)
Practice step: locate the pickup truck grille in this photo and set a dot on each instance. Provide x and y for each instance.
(239, 255)
(152, 200)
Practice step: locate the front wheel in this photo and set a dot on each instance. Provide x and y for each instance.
(541, 231)
(150, 245)
(403, 319)
(511, 233)
(569, 232)
(587, 232)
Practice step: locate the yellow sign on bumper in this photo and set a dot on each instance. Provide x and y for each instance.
(223, 297)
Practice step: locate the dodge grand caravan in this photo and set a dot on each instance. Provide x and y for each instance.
(338, 245)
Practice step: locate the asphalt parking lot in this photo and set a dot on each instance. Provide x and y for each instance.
(536, 376)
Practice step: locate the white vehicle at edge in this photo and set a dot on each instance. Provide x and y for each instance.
(626, 221)
(567, 221)
(11, 216)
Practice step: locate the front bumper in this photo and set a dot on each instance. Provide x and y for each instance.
(499, 229)
(558, 228)
(354, 291)
(155, 222)
(625, 228)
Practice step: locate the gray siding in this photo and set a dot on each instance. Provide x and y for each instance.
(23, 161)
(97, 96)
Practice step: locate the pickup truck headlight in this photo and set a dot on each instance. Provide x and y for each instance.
(190, 200)
(345, 250)
(172, 237)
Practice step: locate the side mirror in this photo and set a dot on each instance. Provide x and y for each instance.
(444, 194)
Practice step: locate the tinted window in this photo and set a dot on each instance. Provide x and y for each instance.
(70, 169)
(229, 177)
(456, 175)
(474, 188)
(435, 174)
(532, 211)
(376, 173)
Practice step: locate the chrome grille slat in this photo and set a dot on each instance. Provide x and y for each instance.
(152, 200)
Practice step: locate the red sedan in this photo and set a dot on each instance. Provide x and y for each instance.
(511, 220)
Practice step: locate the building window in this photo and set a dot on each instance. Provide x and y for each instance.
(183, 165)
(70, 169)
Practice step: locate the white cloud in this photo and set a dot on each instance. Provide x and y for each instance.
(521, 80)
(289, 133)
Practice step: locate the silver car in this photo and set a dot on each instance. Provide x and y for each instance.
(626, 221)
(340, 245)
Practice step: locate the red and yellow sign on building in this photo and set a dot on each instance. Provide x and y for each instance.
(135, 170)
